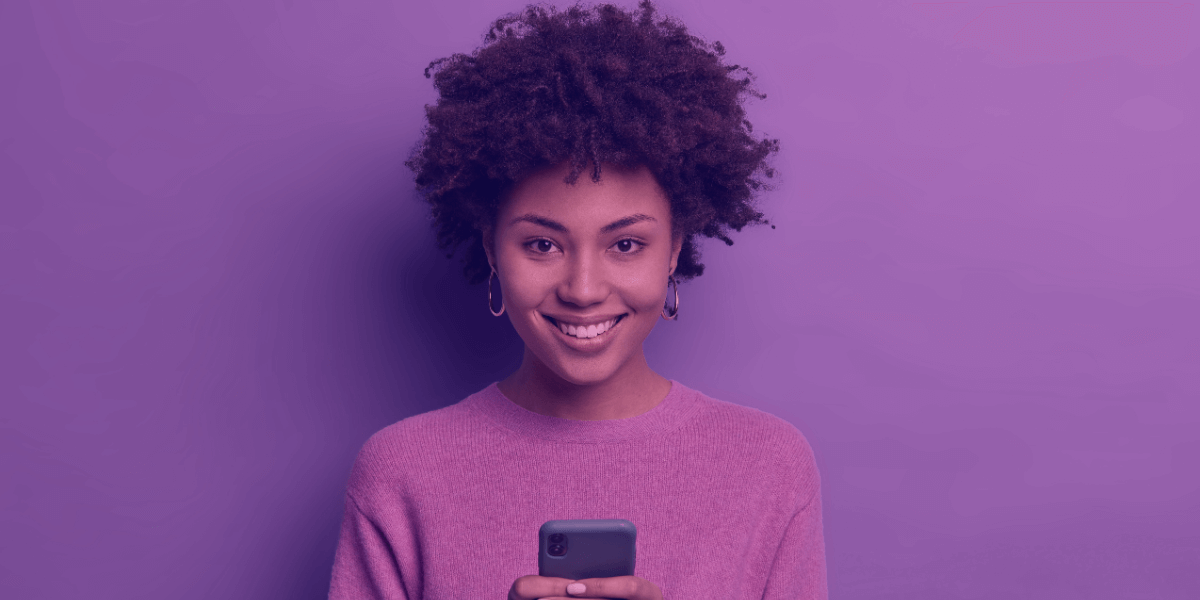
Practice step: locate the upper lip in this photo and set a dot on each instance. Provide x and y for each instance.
(578, 321)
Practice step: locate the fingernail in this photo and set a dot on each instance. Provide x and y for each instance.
(576, 588)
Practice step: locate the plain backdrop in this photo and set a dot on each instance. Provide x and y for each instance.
(981, 303)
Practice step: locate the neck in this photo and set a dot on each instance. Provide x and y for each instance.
(631, 391)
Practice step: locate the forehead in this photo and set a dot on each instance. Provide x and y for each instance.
(620, 192)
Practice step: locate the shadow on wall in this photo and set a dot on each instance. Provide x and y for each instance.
(332, 316)
(426, 337)
(453, 343)
(463, 346)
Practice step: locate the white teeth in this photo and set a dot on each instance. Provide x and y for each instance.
(588, 332)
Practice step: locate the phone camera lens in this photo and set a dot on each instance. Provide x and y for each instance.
(557, 538)
(557, 550)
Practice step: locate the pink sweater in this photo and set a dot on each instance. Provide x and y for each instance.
(446, 505)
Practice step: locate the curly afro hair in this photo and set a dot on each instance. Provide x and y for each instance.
(590, 86)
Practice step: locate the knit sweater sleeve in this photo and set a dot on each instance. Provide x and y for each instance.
(364, 566)
(376, 556)
(799, 572)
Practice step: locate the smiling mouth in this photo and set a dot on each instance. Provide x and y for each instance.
(585, 333)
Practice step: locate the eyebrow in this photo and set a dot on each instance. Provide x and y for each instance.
(555, 225)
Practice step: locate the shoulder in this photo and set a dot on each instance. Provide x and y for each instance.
(386, 456)
(753, 425)
(401, 435)
(772, 443)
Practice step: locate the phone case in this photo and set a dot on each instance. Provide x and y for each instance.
(585, 548)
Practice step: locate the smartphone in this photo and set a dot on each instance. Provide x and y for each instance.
(585, 548)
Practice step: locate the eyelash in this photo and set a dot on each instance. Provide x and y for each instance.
(640, 246)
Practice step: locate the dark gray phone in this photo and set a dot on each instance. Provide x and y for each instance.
(585, 548)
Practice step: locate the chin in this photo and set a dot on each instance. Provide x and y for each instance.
(585, 374)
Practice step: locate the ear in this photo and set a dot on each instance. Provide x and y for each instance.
(676, 246)
(489, 245)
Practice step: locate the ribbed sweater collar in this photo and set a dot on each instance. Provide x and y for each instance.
(679, 404)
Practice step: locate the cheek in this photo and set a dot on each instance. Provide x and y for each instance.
(524, 289)
(647, 293)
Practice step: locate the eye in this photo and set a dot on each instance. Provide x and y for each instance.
(540, 246)
(628, 246)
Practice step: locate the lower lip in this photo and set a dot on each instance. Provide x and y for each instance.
(590, 344)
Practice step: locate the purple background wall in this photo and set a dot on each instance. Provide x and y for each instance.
(981, 304)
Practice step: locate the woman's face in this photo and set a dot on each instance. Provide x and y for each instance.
(584, 257)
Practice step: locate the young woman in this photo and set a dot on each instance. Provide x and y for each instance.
(725, 498)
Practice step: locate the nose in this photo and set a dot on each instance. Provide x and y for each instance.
(585, 281)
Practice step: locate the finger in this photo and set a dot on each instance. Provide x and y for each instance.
(626, 587)
(535, 587)
(574, 597)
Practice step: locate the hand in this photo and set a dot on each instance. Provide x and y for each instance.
(628, 587)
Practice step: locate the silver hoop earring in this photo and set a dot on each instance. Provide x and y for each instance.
(674, 312)
(494, 313)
